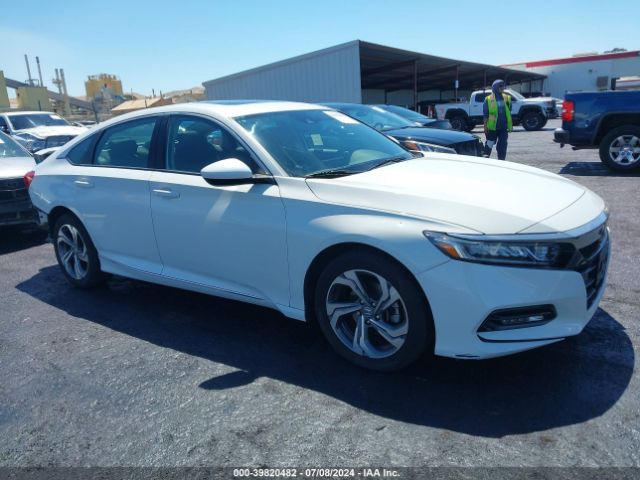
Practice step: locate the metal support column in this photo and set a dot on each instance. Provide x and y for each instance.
(415, 85)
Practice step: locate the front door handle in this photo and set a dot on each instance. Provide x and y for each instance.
(83, 182)
(165, 192)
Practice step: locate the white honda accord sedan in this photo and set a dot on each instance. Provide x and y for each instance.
(303, 209)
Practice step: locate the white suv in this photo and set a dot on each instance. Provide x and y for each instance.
(38, 130)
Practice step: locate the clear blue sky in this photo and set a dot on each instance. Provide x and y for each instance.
(177, 44)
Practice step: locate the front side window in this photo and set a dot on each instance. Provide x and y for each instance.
(481, 96)
(311, 141)
(126, 145)
(194, 142)
(36, 120)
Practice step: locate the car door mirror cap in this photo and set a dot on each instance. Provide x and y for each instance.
(231, 171)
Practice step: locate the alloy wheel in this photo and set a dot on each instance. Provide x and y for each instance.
(72, 251)
(625, 150)
(367, 314)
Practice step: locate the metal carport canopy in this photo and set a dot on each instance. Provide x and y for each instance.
(391, 69)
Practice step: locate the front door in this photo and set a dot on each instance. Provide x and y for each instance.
(229, 238)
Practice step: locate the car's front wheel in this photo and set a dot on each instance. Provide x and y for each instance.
(533, 121)
(372, 311)
(76, 254)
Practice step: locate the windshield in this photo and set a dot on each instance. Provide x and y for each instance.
(311, 141)
(406, 113)
(9, 148)
(515, 94)
(20, 122)
(375, 117)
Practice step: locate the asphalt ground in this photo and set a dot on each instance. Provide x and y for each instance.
(135, 374)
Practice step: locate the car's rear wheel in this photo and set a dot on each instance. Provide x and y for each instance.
(76, 254)
(458, 123)
(372, 311)
(620, 149)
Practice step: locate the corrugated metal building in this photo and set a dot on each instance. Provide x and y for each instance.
(361, 72)
(585, 72)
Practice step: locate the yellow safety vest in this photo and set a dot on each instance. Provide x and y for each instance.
(493, 111)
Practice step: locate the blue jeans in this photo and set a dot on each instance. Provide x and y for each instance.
(500, 139)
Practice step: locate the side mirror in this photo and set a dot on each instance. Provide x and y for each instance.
(231, 171)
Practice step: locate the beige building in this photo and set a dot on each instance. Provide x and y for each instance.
(133, 105)
(96, 85)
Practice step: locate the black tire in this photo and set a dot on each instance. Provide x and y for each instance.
(87, 273)
(533, 121)
(610, 141)
(410, 313)
(458, 122)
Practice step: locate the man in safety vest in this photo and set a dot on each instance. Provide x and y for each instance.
(497, 119)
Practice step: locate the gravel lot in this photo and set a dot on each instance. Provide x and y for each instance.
(135, 374)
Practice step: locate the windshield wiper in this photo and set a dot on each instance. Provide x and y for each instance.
(332, 173)
(387, 162)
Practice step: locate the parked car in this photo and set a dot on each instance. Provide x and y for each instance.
(608, 121)
(531, 113)
(15, 205)
(306, 210)
(416, 117)
(38, 130)
(408, 134)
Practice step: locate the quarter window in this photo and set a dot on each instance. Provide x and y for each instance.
(194, 143)
(126, 145)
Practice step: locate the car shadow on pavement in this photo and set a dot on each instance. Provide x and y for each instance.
(563, 384)
(13, 240)
(593, 169)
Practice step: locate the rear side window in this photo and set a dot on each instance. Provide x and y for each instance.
(81, 153)
(126, 145)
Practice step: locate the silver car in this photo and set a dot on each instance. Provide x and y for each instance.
(15, 163)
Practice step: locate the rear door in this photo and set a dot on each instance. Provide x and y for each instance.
(110, 190)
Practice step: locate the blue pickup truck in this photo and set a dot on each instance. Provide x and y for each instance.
(609, 121)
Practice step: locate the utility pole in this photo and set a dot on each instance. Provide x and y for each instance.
(67, 106)
(30, 81)
(39, 72)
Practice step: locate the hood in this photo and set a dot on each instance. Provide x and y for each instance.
(53, 131)
(431, 135)
(486, 196)
(14, 167)
(540, 100)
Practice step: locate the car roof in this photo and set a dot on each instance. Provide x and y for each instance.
(222, 108)
(28, 113)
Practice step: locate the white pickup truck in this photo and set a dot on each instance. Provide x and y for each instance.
(531, 113)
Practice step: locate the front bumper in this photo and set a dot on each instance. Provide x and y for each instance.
(15, 205)
(462, 295)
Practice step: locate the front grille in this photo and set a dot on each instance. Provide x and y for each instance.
(15, 204)
(591, 260)
(471, 147)
(11, 183)
(57, 141)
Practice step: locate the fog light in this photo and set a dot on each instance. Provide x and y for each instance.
(521, 317)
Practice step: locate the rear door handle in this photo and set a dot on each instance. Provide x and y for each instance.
(165, 192)
(84, 183)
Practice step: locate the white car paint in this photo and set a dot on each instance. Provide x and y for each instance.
(256, 242)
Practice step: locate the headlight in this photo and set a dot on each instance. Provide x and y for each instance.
(510, 253)
(426, 147)
(30, 142)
